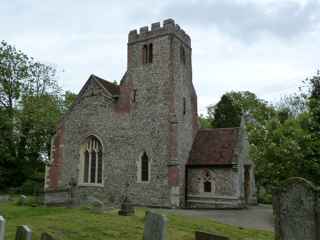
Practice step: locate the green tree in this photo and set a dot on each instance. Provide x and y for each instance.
(225, 114)
(30, 105)
(69, 100)
(204, 122)
(236, 103)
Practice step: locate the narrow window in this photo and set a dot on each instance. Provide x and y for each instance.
(144, 168)
(86, 167)
(182, 55)
(184, 106)
(93, 167)
(145, 54)
(207, 186)
(134, 95)
(100, 166)
(150, 53)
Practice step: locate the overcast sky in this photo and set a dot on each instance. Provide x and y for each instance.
(264, 46)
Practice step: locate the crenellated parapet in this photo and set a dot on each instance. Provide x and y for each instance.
(169, 27)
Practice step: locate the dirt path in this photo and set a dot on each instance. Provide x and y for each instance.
(258, 217)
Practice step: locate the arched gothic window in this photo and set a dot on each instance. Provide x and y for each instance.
(207, 183)
(92, 165)
(207, 186)
(144, 167)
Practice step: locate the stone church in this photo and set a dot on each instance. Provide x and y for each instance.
(141, 139)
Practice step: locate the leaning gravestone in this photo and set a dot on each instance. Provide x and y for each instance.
(155, 226)
(295, 206)
(23, 233)
(97, 206)
(2, 227)
(209, 236)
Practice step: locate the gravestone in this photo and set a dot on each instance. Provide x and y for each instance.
(46, 236)
(295, 206)
(97, 206)
(154, 226)
(127, 208)
(2, 227)
(4, 198)
(23, 233)
(209, 236)
(59, 197)
(22, 200)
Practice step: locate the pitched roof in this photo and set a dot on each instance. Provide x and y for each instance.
(214, 146)
(112, 88)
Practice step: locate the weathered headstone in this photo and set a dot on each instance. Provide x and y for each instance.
(57, 197)
(23, 233)
(209, 236)
(2, 227)
(22, 200)
(155, 226)
(4, 198)
(46, 236)
(127, 209)
(97, 206)
(295, 207)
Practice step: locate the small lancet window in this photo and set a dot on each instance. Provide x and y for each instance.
(182, 55)
(134, 95)
(150, 53)
(207, 186)
(145, 54)
(184, 106)
(144, 167)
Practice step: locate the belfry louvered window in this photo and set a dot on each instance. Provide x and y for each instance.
(92, 161)
(147, 53)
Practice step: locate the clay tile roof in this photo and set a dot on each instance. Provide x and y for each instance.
(214, 146)
(112, 88)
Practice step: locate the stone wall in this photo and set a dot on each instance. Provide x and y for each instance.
(225, 188)
(154, 123)
(184, 127)
(244, 161)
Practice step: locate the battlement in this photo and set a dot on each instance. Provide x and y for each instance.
(169, 27)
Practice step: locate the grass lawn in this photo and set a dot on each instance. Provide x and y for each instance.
(78, 224)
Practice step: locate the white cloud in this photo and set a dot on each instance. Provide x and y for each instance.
(266, 47)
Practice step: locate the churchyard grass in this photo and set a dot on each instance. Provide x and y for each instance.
(79, 223)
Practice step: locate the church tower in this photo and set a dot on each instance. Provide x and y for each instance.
(165, 102)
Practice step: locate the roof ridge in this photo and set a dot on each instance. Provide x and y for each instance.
(112, 88)
(101, 79)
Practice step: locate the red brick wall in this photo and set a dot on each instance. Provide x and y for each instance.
(56, 159)
(124, 105)
(173, 175)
